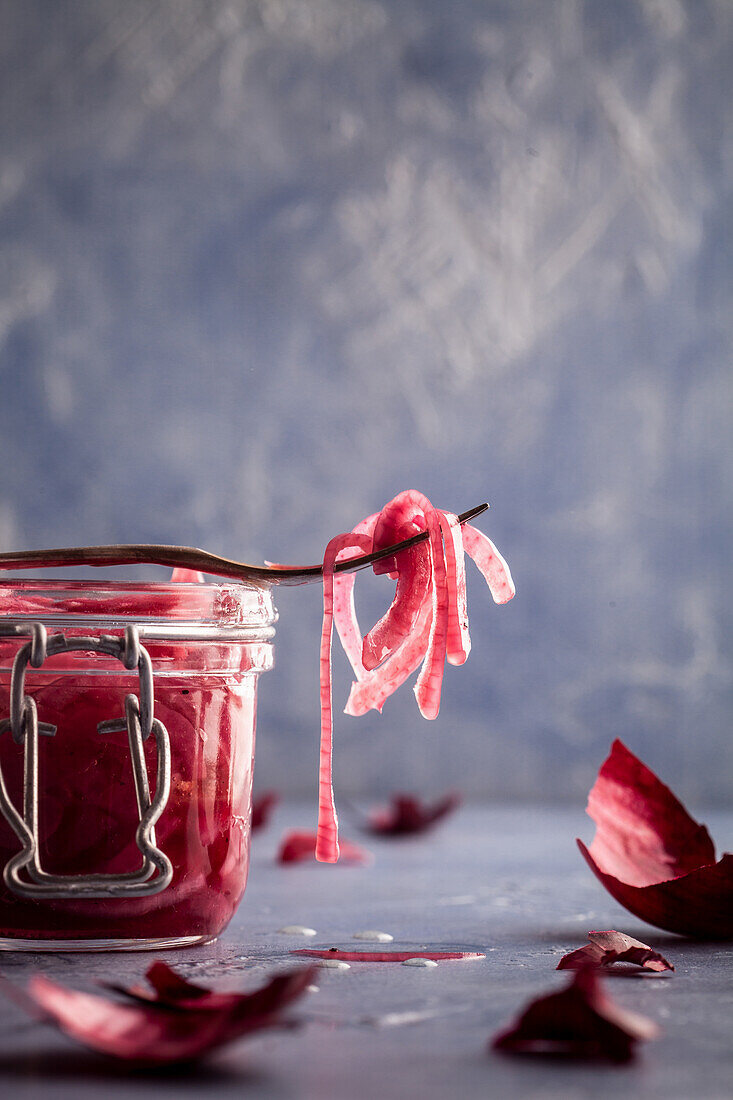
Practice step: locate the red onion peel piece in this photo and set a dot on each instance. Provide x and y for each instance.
(162, 1031)
(262, 807)
(297, 846)
(652, 857)
(580, 1021)
(408, 815)
(606, 948)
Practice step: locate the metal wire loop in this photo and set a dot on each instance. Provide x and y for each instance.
(127, 650)
(38, 645)
(156, 871)
(131, 651)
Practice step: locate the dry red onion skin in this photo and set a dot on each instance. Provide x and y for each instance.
(168, 989)
(652, 857)
(578, 1022)
(262, 807)
(179, 1024)
(297, 846)
(699, 904)
(606, 948)
(408, 815)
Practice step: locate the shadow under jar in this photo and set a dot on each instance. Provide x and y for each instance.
(125, 801)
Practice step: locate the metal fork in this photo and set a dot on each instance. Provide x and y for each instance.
(189, 557)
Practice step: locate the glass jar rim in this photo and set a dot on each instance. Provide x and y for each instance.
(161, 610)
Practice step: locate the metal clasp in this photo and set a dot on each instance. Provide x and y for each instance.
(156, 871)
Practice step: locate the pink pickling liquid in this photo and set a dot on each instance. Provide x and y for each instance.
(205, 695)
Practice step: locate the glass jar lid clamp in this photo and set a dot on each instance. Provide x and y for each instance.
(139, 722)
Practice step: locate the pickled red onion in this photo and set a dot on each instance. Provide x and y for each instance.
(374, 688)
(344, 612)
(413, 581)
(426, 623)
(327, 849)
(430, 678)
(186, 576)
(458, 642)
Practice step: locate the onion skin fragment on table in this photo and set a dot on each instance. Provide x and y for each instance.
(652, 857)
(578, 1022)
(425, 626)
(173, 1022)
(407, 815)
(262, 808)
(297, 846)
(607, 948)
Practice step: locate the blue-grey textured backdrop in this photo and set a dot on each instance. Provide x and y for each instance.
(263, 263)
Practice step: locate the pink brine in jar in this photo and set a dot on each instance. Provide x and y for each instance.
(127, 732)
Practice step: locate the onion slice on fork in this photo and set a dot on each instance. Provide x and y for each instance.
(427, 621)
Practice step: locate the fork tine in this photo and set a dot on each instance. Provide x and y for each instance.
(388, 551)
(307, 573)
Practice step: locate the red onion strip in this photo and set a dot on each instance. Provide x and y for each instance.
(413, 582)
(344, 611)
(427, 621)
(327, 849)
(430, 679)
(488, 559)
(458, 642)
(372, 691)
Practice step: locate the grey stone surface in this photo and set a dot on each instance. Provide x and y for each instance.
(508, 882)
(263, 263)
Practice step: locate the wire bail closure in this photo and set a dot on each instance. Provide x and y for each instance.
(156, 871)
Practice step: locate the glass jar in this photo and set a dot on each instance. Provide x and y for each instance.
(127, 732)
